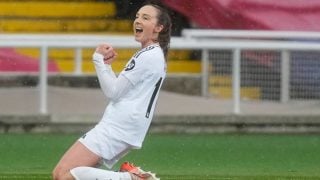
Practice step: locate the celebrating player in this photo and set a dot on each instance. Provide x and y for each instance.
(133, 94)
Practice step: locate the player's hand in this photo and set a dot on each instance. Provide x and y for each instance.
(108, 53)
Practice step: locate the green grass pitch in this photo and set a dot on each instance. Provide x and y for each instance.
(178, 156)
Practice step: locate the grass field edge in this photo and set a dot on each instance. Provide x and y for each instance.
(36, 176)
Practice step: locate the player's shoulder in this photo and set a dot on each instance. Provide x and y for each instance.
(149, 51)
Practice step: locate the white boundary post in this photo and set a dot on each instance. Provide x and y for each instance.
(205, 73)
(285, 76)
(236, 80)
(43, 79)
(78, 61)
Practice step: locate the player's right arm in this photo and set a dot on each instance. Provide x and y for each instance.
(112, 86)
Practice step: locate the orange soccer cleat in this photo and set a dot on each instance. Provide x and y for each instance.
(137, 173)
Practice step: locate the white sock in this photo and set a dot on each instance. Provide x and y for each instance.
(88, 173)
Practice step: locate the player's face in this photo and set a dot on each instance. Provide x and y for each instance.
(145, 26)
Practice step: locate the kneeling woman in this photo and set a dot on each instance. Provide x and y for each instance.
(132, 94)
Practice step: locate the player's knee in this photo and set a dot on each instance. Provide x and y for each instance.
(61, 174)
(56, 174)
(66, 176)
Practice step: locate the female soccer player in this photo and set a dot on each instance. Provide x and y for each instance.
(133, 94)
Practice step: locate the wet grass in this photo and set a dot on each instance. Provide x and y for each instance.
(170, 177)
(33, 156)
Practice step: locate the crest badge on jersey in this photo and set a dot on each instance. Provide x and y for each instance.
(130, 66)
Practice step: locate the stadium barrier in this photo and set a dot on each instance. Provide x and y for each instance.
(286, 56)
(193, 40)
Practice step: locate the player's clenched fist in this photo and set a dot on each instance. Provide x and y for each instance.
(107, 51)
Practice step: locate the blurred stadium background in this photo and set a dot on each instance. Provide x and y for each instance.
(267, 85)
(269, 90)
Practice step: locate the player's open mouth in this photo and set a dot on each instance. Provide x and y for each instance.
(139, 30)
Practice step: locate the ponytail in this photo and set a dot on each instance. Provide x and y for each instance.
(165, 34)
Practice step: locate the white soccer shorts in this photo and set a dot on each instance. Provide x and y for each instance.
(110, 149)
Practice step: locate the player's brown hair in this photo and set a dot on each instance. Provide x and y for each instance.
(164, 19)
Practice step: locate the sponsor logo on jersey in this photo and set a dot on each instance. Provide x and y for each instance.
(130, 66)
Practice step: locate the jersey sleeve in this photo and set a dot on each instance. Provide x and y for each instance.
(137, 69)
(113, 87)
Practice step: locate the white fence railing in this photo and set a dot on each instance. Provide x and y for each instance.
(209, 33)
(283, 41)
(192, 40)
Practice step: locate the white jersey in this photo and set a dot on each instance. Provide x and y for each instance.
(129, 117)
